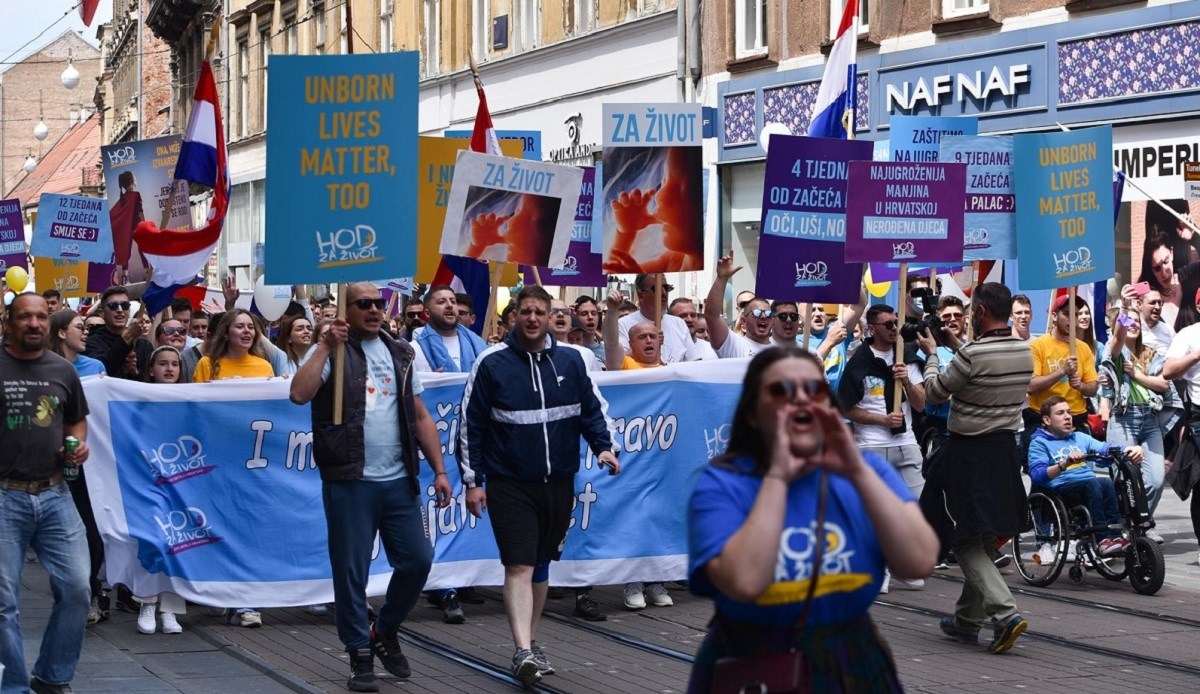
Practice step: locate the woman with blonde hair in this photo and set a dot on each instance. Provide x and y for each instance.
(237, 350)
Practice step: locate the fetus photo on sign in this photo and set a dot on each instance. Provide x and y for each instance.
(509, 226)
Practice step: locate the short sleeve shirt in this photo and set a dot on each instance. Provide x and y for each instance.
(737, 346)
(1049, 354)
(1187, 341)
(37, 397)
(875, 402)
(852, 568)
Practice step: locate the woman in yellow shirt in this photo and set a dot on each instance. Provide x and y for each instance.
(237, 351)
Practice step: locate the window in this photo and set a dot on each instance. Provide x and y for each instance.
(243, 93)
(750, 28)
(528, 24)
(387, 26)
(582, 17)
(481, 28)
(958, 8)
(264, 48)
(318, 12)
(430, 46)
(835, 16)
(291, 36)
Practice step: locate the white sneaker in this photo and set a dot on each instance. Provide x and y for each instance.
(250, 619)
(887, 582)
(634, 599)
(1071, 550)
(170, 625)
(910, 584)
(145, 620)
(1154, 535)
(659, 596)
(319, 609)
(1045, 555)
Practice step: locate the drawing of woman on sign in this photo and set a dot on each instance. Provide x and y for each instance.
(125, 215)
(656, 216)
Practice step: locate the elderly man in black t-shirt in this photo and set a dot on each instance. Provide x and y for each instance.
(42, 401)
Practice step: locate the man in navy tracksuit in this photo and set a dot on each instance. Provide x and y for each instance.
(525, 406)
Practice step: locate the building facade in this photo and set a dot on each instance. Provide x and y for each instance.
(1018, 66)
(32, 90)
(136, 91)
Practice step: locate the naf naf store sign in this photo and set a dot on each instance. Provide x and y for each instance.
(976, 84)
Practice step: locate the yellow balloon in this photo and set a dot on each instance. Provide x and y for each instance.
(876, 289)
(17, 278)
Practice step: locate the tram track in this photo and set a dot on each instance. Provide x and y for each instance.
(477, 665)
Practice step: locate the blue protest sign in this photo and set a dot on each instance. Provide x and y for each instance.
(989, 231)
(72, 227)
(341, 168)
(1065, 232)
(917, 138)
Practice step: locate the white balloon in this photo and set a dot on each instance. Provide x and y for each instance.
(772, 128)
(271, 299)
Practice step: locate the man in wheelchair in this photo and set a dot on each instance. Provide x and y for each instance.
(1057, 460)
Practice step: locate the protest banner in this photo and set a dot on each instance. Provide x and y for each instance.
(12, 236)
(918, 138)
(436, 157)
(989, 227)
(72, 227)
(341, 168)
(139, 178)
(598, 213)
(582, 266)
(169, 526)
(653, 188)
(905, 212)
(528, 142)
(1064, 201)
(802, 251)
(70, 277)
(510, 210)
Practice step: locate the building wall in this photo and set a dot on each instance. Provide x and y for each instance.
(122, 70)
(32, 88)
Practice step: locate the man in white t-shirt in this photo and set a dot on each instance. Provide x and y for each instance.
(756, 318)
(678, 344)
(1156, 334)
(1183, 359)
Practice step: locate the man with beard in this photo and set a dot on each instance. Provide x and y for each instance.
(831, 341)
(1022, 316)
(975, 493)
(42, 402)
(445, 345)
(119, 337)
(560, 326)
(588, 313)
(756, 318)
(678, 344)
(414, 318)
(685, 309)
(466, 310)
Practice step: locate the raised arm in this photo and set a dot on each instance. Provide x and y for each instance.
(718, 331)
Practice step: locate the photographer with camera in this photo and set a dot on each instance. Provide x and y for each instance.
(951, 314)
(867, 389)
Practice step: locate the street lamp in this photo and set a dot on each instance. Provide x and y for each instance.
(70, 76)
(30, 163)
(41, 131)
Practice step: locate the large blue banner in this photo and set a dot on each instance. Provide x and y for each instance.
(209, 490)
(341, 168)
(1065, 232)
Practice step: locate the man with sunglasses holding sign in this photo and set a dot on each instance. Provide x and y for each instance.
(119, 336)
(867, 389)
(756, 318)
(368, 466)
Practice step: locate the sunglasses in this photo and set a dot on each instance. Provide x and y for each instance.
(785, 391)
(788, 317)
(743, 304)
(174, 331)
(888, 324)
(367, 304)
(762, 312)
(118, 305)
(413, 316)
(667, 287)
(951, 316)
(559, 311)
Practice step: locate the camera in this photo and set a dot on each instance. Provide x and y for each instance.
(928, 301)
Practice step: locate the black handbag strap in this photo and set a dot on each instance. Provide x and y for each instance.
(818, 551)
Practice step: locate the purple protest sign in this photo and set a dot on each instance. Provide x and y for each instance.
(101, 276)
(910, 212)
(802, 243)
(582, 267)
(12, 235)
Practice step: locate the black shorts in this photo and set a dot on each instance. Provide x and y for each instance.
(529, 519)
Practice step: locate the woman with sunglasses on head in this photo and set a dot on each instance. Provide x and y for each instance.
(173, 333)
(791, 473)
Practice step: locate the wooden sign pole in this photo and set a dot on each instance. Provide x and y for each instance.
(339, 355)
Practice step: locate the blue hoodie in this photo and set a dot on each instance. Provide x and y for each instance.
(1046, 449)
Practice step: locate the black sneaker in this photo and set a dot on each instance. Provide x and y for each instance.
(470, 596)
(362, 671)
(42, 687)
(386, 647)
(555, 593)
(1007, 633)
(539, 656)
(587, 609)
(452, 612)
(525, 667)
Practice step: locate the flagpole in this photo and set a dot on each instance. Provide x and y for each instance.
(339, 355)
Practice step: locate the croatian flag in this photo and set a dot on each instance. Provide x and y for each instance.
(468, 275)
(87, 11)
(837, 93)
(179, 255)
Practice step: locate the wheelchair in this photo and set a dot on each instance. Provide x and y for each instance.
(1040, 553)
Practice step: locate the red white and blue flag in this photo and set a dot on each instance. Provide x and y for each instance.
(837, 93)
(468, 275)
(179, 255)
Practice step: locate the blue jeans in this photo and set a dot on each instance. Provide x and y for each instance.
(1100, 496)
(1139, 426)
(354, 511)
(49, 523)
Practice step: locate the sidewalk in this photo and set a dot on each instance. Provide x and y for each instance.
(117, 658)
